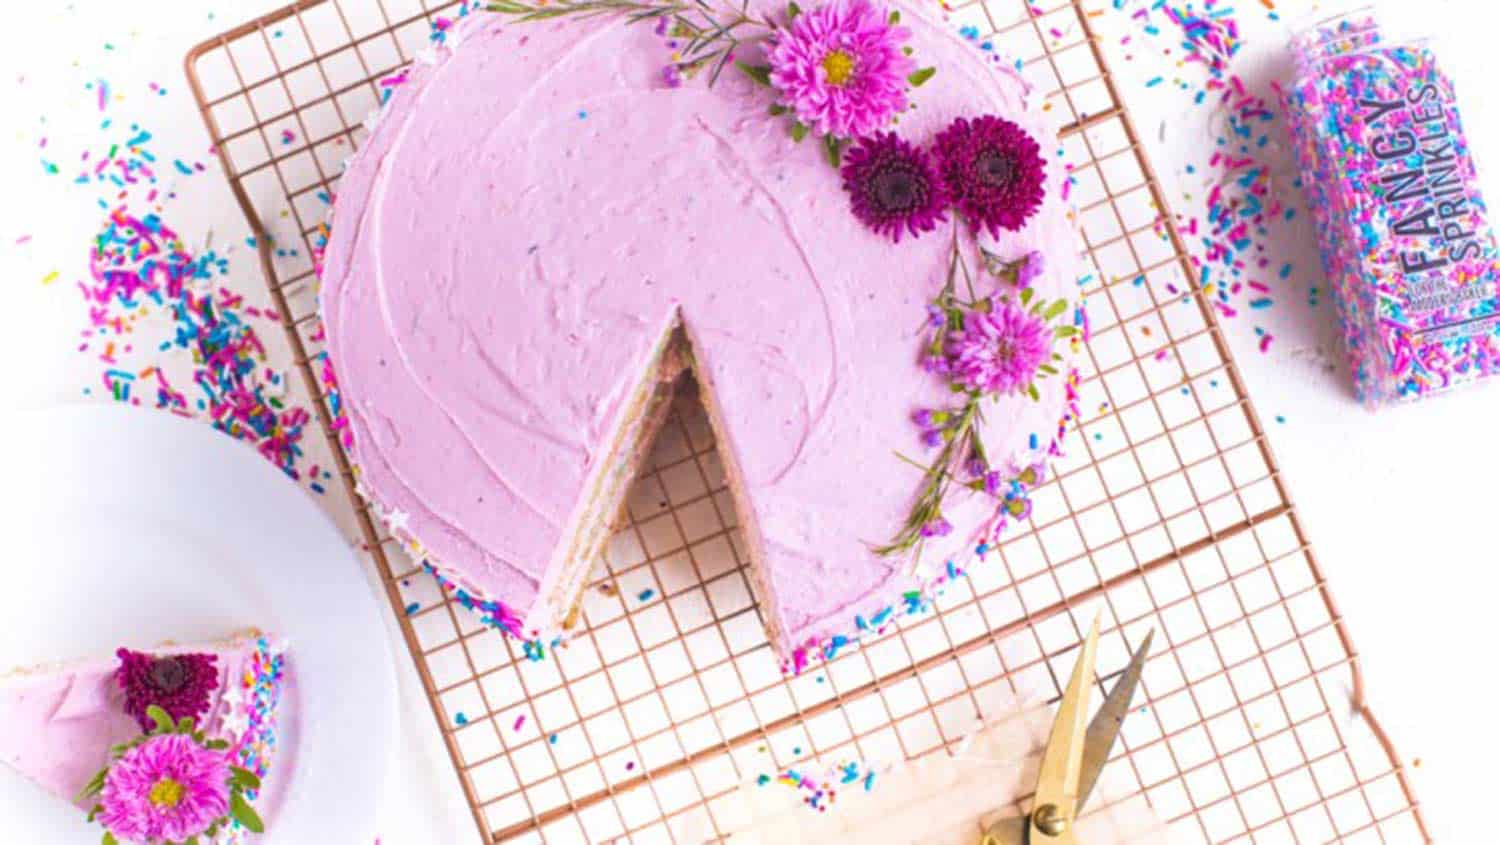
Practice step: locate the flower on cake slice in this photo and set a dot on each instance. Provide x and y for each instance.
(171, 785)
(180, 684)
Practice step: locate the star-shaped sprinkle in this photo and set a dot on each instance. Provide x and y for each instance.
(234, 724)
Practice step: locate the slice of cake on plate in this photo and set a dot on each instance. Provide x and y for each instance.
(157, 746)
(844, 220)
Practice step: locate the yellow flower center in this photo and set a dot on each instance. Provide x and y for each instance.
(838, 67)
(166, 793)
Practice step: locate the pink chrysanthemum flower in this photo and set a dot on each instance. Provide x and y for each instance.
(893, 187)
(993, 170)
(168, 788)
(998, 351)
(180, 684)
(840, 68)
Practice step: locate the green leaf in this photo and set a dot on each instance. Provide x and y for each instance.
(920, 76)
(1027, 294)
(216, 744)
(191, 840)
(799, 131)
(243, 778)
(161, 717)
(1048, 369)
(1065, 331)
(245, 814)
(792, 11)
(95, 811)
(834, 149)
(94, 786)
(185, 725)
(760, 73)
(1035, 394)
(777, 109)
(109, 839)
(895, 17)
(1055, 309)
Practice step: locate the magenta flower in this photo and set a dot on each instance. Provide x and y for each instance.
(1031, 269)
(993, 481)
(893, 187)
(840, 68)
(993, 171)
(180, 684)
(938, 527)
(168, 788)
(998, 351)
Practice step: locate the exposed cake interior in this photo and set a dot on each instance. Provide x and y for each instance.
(669, 373)
(595, 515)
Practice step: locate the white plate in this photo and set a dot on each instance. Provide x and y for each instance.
(132, 527)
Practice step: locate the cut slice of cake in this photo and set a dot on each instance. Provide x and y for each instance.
(210, 708)
(537, 238)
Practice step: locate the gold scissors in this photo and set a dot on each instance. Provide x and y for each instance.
(1075, 753)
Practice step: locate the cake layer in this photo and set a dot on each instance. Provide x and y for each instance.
(535, 205)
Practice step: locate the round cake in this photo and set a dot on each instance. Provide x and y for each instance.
(847, 226)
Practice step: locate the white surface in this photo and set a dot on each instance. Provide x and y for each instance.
(102, 565)
(1400, 506)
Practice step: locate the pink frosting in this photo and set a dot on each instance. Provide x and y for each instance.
(57, 723)
(535, 208)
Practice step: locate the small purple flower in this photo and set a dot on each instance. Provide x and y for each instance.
(999, 351)
(662, 23)
(936, 318)
(924, 418)
(1031, 269)
(1034, 475)
(1018, 506)
(976, 468)
(935, 364)
(840, 68)
(994, 172)
(993, 481)
(932, 438)
(893, 187)
(672, 75)
(938, 527)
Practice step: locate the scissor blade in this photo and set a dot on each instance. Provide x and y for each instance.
(1105, 728)
(1057, 783)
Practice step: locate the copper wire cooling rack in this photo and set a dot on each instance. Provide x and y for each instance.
(1168, 511)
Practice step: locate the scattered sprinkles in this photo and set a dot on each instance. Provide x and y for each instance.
(157, 306)
(821, 789)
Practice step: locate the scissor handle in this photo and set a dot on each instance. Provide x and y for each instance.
(1011, 831)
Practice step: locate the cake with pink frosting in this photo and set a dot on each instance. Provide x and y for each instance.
(158, 746)
(844, 223)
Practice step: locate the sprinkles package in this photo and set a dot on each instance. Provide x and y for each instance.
(1402, 225)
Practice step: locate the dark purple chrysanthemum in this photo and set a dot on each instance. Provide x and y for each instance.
(893, 186)
(993, 171)
(180, 684)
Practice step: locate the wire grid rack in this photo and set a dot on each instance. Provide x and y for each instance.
(1167, 511)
